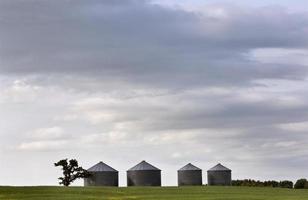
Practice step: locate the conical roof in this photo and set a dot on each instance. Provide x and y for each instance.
(143, 166)
(219, 167)
(190, 167)
(101, 167)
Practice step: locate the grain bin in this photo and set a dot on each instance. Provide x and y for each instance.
(219, 175)
(144, 174)
(189, 175)
(102, 175)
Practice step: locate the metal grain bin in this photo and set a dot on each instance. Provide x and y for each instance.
(189, 175)
(144, 174)
(219, 175)
(102, 175)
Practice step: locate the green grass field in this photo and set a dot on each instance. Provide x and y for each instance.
(163, 193)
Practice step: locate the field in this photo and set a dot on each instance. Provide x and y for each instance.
(164, 193)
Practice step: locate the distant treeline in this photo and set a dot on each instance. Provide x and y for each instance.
(300, 184)
(254, 183)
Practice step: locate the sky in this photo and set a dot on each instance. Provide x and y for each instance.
(169, 82)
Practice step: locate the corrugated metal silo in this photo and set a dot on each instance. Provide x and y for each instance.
(102, 175)
(144, 174)
(219, 175)
(189, 175)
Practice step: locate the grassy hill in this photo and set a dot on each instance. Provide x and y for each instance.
(163, 193)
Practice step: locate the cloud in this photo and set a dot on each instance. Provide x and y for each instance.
(280, 56)
(297, 127)
(48, 133)
(19, 92)
(140, 43)
(43, 146)
(46, 139)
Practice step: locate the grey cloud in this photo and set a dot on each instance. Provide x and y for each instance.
(198, 111)
(141, 43)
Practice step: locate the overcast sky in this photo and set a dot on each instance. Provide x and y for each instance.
(169, 82)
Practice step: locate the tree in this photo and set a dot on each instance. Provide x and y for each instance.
(286, 184)
(301, 184)
(71, 171)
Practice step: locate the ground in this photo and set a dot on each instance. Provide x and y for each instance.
(161, 193)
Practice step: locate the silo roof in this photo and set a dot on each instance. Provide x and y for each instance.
(144, 166)
(189, 167)
(219, 167)
(101, 167)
